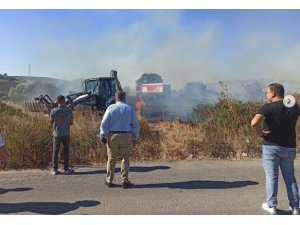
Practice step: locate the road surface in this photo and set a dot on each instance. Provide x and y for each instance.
(208, 187)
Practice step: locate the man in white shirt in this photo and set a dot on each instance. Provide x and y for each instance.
(119, 129)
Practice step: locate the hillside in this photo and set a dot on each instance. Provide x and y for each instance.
(35, 86)
(6, 83)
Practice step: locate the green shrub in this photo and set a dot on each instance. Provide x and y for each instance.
(227, 128)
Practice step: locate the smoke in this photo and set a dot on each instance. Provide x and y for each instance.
(26, 91)
(159, 42)
(192, 55)
(178, 54)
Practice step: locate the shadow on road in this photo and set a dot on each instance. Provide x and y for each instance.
(49, 208)
(283, 212)
(200, 184)
(3, 191)
(88, 172)
(135, 169)
(145, 169)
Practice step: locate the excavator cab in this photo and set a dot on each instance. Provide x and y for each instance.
(102, 90)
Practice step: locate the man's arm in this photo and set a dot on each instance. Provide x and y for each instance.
(256, 125)
(51, 117)
(104, 124)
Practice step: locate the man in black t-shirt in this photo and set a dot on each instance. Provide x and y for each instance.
(276, 123)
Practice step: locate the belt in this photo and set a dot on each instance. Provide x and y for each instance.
(119, 132)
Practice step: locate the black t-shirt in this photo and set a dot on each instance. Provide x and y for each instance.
(281, 122)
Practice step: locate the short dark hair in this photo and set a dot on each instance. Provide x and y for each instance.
(60, 98)
(120, 96)
(277, 88)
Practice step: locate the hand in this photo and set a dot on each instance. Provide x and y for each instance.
(103, 141)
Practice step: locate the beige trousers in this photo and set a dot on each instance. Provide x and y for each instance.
(118, 147)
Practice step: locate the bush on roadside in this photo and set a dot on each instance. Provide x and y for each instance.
(227, 131)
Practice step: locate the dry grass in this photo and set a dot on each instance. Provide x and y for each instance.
(25, 137)
(85, 145)
(222, 131)
(149, 144)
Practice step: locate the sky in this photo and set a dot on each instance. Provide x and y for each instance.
(192, 45)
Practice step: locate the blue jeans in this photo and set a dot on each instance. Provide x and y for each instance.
(273, 158)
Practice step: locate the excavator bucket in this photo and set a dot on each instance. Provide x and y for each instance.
(43, 104)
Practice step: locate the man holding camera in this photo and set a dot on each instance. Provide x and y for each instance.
(61, 119)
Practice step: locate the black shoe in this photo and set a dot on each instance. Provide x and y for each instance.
(108, 184)
(127, 184)
(69, 171)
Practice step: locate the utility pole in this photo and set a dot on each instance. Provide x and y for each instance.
(29, 70)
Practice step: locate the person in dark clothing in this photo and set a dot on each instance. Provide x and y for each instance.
(276, 123)
(61, 118)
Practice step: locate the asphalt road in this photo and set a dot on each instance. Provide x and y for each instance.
(209, 187)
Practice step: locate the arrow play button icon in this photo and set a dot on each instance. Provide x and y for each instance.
(289, 101)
